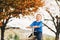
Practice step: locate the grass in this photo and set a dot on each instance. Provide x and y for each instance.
(48, 37)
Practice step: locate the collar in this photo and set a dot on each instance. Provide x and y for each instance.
(38, 21)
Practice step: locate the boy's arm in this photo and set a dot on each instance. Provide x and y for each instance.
(32, 25)
(36, 26)
(28, 27)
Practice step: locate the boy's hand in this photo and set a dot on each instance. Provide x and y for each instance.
(35, 26)
(28, 27)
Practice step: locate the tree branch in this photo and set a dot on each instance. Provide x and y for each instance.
(51, 17)
(57, 3)
(11, 28)
(49, 28)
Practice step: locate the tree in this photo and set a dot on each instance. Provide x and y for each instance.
(55, 24)
(18, 6)
(23, 6)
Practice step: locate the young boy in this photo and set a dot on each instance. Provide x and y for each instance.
(37, 25)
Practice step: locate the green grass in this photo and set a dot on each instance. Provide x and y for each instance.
(14, 38)
(48, 37)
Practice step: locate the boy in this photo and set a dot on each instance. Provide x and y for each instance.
(37, 25)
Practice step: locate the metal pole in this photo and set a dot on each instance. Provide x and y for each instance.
(33, 31)
(33, 37)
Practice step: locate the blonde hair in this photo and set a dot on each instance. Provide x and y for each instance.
(40, 15)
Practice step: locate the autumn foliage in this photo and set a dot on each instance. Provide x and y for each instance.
(25, 6)
(28, 6)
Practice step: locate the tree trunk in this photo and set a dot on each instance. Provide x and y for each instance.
(57, 36)
(2, 33)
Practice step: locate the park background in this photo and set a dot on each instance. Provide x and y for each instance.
(49, 7)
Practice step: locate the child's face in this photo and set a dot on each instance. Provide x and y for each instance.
(38, 17)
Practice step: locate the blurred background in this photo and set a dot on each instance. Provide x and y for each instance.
(16, 15)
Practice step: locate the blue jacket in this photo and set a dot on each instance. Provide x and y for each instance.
(39, 24)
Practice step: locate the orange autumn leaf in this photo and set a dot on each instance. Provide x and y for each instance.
(22, 5)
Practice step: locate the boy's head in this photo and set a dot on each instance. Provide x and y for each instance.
(38, 17)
